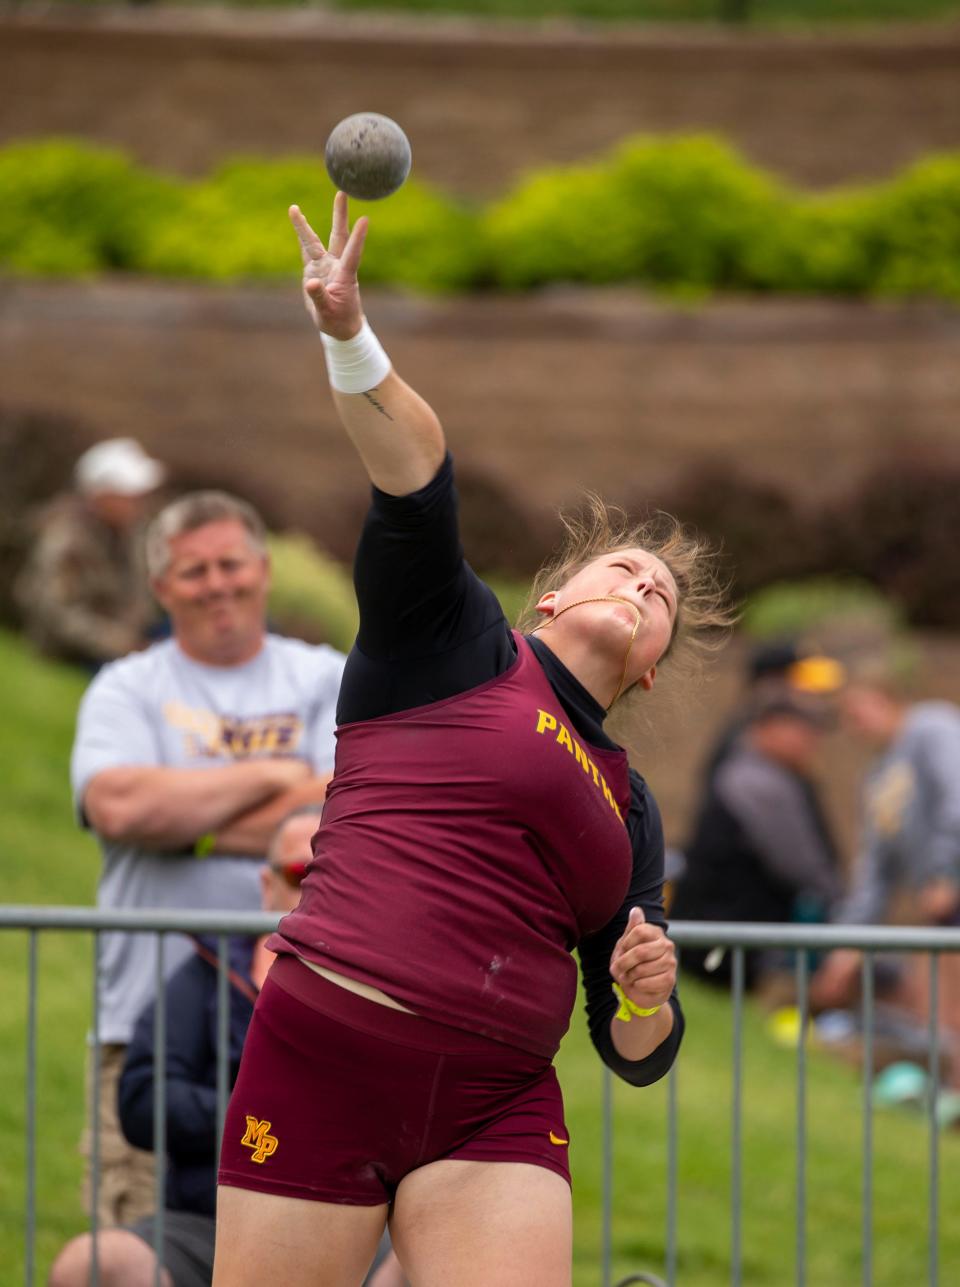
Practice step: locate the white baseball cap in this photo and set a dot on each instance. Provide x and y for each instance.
(118, 465)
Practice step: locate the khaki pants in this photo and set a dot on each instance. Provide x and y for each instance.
(125, 1190)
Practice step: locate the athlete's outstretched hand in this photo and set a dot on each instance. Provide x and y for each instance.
(330, 289)
(644, 962)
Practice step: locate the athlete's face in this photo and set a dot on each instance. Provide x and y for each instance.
(649, 596)
(215, 589)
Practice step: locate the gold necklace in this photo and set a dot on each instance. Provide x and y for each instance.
(605, 598)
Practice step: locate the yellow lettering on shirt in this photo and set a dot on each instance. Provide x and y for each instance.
(208, 735)
(547, 723)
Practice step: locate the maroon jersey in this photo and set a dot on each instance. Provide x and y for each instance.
(481, 834)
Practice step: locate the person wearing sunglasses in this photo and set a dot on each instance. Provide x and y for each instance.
(125, 1255)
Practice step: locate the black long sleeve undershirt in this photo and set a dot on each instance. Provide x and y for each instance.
(429, 629)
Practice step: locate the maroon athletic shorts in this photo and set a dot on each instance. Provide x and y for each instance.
(338, 1098)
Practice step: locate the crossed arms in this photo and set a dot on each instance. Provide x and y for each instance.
(167, 809)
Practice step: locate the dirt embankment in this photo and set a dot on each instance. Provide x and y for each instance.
(544, 395)
(482, 104)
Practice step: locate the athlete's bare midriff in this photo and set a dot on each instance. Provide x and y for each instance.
(354, 985)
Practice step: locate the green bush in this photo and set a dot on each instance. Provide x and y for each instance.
(683, 215)
(796, 609)
(689, 215)
(917, 220)
(311, 595)
(823, 244)
(72, 208)
(679, 213)
(234, 226)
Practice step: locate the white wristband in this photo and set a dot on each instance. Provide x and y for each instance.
(357, 365)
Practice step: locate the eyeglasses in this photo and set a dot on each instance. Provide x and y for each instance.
(292, 872)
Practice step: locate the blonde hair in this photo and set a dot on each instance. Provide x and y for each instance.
(704, 618)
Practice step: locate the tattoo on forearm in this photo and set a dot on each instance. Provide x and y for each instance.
(375, 402)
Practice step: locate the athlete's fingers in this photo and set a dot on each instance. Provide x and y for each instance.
(647, 950)
(340, 229)
(310, 243)
(315, 289)
(653, 991)
(632, 933)
(647, 959)
(648, 970)
(350, 259)
(647, 936)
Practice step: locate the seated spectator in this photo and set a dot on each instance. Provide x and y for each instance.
(761, 848)
(908, 867)
(82, 593)
(126, 1256)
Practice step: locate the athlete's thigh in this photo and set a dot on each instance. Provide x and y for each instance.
(263, 1238)
(477, 1223)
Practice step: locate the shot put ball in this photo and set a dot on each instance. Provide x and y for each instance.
(367, 156)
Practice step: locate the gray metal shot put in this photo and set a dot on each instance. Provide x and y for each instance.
(367, 156)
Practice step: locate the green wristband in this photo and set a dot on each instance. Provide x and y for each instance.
(204, 845)
(628, 1009)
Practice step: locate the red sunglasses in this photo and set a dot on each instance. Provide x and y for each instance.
(292, 872)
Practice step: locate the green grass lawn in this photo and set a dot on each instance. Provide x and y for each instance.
(49, 861)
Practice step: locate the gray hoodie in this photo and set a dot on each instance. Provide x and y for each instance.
(911, 815)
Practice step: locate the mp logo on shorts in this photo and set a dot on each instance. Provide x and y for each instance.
(257, 1138)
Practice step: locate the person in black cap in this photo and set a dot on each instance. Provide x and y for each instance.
(773, 667)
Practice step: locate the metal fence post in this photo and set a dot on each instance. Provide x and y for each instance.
(223, 1035)
(672, 1176)
(95, 1115)
(159, 1110)
(801, 1181)
(31, 1106)
(607, 1178)
(736, 1135)
(933, 1068)
(867, 977)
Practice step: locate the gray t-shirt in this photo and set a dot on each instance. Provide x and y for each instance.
(911, 823)
(161, 708)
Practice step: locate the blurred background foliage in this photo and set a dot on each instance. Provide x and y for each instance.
(685, 216)
(895, 532)
(774, 13)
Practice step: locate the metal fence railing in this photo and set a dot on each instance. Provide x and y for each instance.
(735, 938)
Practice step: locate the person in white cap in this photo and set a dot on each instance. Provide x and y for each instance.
(83, 594)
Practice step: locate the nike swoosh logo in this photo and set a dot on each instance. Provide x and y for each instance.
(556, 1139)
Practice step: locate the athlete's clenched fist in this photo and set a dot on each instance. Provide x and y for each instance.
(644, 962)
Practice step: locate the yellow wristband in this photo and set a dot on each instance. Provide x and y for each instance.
(204, 845)
(627, 1008)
